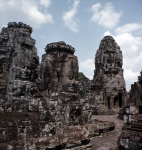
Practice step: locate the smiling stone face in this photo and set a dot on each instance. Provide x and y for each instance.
(25, 74)
(60, 66)
(70, 80)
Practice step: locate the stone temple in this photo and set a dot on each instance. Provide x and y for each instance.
(40, 108)
(43, 108)
(108, 87)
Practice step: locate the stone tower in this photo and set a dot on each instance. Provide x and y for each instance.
(18, 66)
(59, 74)
(59, 68)
(108, 82)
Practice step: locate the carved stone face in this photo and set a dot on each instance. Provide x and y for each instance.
(70, 80)
(25, 73)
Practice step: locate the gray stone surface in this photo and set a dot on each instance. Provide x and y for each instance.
(103, 148)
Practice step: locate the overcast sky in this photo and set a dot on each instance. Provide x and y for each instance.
(82, 24)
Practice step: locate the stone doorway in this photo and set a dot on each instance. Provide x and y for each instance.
(108, 102)
(116, 102)
(141, 98)
(120, 99)
(74, 116)
(140, 109)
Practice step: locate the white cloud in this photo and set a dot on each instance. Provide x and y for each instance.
(25, 11)
(106, 15)
(87, 64)
(131, 46)
(130, 77)
(87, 67)
(129, 43)
(45, 3)
(130, 27)
(69, 17)
(107, 33)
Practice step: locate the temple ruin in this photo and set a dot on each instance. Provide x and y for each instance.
(108, 87)
(40, 108)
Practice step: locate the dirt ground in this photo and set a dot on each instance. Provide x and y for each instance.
(107, 141)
